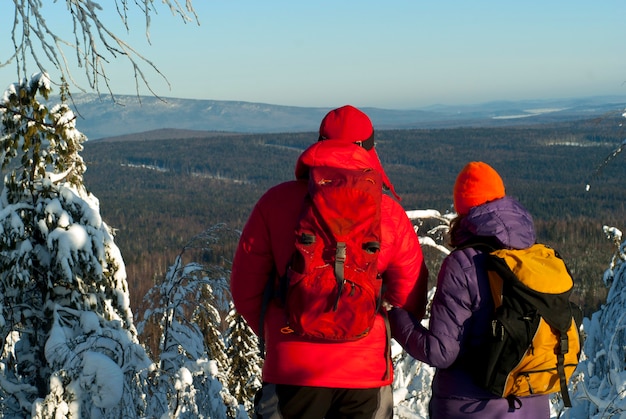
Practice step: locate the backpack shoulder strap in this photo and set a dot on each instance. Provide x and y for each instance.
(488, 245)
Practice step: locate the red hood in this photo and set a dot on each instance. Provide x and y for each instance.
(339, 154)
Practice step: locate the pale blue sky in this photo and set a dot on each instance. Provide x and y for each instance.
(390, 54)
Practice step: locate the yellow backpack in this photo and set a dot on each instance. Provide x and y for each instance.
(535, 343)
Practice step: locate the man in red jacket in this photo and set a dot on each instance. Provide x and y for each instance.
(311, 379)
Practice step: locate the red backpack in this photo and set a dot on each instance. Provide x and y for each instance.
(332, 288)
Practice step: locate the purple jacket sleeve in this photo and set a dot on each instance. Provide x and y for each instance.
(452, 304)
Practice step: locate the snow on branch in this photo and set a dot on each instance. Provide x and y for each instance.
(434, 235)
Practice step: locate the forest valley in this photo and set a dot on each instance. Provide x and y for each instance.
(159, 194)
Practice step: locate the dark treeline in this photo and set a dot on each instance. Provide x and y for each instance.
(158, 194)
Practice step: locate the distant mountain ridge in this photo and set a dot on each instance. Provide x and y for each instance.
(165, 134)
(100, 117)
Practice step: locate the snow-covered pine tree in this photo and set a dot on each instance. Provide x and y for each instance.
(242, 349)
(184, 311)
(69, 346)
(599, 390)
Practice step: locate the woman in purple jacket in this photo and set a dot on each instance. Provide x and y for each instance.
(462, 305)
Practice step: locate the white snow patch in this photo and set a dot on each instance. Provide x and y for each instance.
(103, 378)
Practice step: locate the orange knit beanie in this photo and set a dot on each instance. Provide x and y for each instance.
(475, 185)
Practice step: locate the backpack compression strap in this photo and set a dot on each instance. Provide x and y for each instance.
(340, 263)
(560, 367)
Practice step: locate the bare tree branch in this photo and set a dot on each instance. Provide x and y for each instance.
(93, 42)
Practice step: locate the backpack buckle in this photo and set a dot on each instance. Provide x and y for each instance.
(497, 330)
(564, 344)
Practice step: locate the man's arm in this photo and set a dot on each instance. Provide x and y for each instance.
(252, 267)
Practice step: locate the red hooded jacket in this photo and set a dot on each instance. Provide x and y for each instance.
(267, 243)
